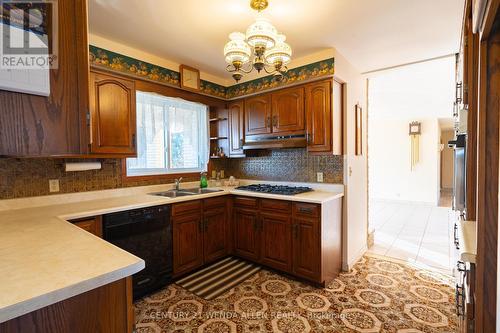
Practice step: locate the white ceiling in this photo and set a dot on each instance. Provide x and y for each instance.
(371, 34)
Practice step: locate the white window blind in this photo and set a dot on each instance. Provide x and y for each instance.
(172, 136)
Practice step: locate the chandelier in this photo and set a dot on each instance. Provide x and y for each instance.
(261, 48)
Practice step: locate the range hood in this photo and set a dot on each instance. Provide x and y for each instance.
(275, 142)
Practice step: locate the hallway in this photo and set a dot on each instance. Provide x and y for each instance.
(414, 232)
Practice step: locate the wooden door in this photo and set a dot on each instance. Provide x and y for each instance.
(258, 115)
(276, 241)
(288, 116)
(319, 116)
(214, 234)
(306, 248)
(236, 126)
(246, 234)
(187, 242)
(112, 108)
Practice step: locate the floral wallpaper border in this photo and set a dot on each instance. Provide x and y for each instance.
(121, 63)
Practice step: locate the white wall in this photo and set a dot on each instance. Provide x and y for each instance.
(421, 92)
(355, 227)
(391, 176)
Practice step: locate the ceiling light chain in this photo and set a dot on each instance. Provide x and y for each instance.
(263, 43)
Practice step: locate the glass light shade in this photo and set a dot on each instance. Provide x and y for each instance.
(261, 33)
(237, 50)
(281, 52)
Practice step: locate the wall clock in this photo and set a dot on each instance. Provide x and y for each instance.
(190, 78)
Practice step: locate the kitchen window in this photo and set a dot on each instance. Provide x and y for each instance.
(172, 136)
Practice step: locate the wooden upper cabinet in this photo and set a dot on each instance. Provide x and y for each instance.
(258, 115)
(236, 129)
(288, 116)
(319, 116)
(112, 114)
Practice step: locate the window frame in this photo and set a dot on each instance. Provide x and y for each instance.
(126, 178)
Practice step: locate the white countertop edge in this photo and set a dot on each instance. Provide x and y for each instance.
(41, 301)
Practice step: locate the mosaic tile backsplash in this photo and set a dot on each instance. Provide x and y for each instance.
(30, 177)
(284, 165)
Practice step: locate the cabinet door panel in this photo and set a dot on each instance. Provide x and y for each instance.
(319, 116)
(306, 249)
(214, 236)
(288, 111)
(258, 115)
(188, 243)
(112, 103)
(276, 240)
(246, 240)
(236, 126)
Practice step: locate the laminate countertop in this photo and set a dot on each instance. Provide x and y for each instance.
(45, 259)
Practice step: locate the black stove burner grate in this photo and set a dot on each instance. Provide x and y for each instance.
(275, 189)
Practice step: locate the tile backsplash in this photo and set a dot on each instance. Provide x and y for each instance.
(284, 165)
(30, 177)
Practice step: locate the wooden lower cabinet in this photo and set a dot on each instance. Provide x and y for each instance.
(306, 248)
(199, 233)
(246, 235)
(90, 224)
(293, 237)
(276, 241)
(188, 242)
(105, 309)
(214, 234)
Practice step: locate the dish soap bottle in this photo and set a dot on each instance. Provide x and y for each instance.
(203, 180)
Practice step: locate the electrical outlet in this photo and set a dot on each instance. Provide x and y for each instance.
(319, 177)
(53, 185)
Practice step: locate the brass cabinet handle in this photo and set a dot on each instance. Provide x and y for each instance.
(275, 121)
(296, 230)
(308, 138)
(268, 121)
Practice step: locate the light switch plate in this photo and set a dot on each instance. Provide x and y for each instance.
(53, 185)
(319, 177)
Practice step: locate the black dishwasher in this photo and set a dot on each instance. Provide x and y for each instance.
(146, 233)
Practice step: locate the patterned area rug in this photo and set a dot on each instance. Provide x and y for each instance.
(377, 295)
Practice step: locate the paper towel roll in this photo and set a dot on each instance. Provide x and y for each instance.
(82, 166)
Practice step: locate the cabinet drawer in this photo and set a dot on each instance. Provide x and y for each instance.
(306, 209)
(187, 207)
(245, 201)
(275, 205)
(217, 202)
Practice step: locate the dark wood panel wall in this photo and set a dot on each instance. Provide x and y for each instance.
(31, 125)
(488, 170)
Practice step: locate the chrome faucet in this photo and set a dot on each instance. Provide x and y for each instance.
(177, 183)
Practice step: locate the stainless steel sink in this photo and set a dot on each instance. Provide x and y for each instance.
(185, 192)
(201, 190)
(172, 194)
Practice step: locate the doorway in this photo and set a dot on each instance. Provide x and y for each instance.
(410, 122)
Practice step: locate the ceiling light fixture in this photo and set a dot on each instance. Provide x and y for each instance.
(261, 48)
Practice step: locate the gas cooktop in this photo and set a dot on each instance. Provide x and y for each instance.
(275, 189)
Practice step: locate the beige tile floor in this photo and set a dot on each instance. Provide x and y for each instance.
(418, 233)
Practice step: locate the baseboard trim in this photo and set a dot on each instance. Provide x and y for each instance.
(346, 267)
